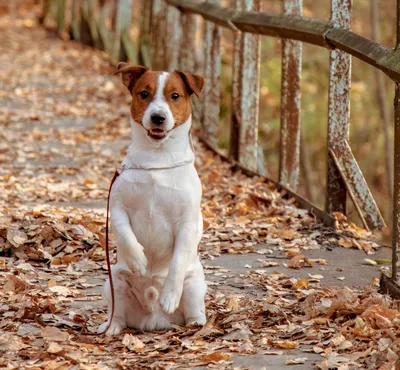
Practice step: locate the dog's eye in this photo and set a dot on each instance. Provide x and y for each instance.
(175, 96)
(144, 94)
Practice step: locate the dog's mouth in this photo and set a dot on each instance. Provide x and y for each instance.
(157, 133)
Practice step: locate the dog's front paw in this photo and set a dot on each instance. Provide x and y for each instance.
(136, 261)
(136, 266)
(115, 328)
(170, 298)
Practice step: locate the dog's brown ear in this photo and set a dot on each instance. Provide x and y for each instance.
(129, 74)
(194, 83)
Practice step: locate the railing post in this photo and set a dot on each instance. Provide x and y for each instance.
(45, 10)
(75, 17)
(290, 104)
(84, 31)
(188, 57)
(144, 57)
(91, 10)
(172, 39)
(106, 37)
(338, 108)
(129, 49)
(212, 72)
(158, 20)
(61, 8)
(188, 43)
(382, 100)
(396, 170)
(245, 92)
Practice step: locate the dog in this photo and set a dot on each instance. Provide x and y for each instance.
(155, 208)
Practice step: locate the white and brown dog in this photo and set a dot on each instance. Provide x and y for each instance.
(155, 208)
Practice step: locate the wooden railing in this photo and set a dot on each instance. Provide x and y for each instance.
(168, 38)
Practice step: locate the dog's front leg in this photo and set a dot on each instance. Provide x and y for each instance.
(185, 249)
(129, 249)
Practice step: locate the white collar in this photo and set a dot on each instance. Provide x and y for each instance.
(145, 168)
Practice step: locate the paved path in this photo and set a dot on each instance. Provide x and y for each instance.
(64, 130)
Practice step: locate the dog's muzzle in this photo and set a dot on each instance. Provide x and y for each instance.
(157, 131)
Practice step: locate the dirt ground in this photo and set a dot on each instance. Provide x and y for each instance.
(282, 289)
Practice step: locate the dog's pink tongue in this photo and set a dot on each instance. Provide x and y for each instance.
(157, 132)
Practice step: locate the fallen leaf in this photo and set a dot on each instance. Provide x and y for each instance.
(242, 333)
(288, 234)
(346, 242)
(296, 361)
(300, 284)
(233, 303)
(54, 347)
(217, 357)
(292, 252)
(299, 261)
(51, 283)
(286, 344)
(61, 290)
(28, 330)
(16, 237)
(133, 343)
(269, 263)
(53, 334)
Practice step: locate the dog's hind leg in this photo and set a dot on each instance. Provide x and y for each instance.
(118, 322)
(194, 291)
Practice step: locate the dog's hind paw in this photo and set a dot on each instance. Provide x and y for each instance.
(196, 321)
(114, 329)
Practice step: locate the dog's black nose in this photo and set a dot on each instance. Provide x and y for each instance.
(158, 118)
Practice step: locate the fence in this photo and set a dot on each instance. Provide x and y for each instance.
(168, 38)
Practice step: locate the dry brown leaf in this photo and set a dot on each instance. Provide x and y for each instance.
(102, 240)
(241, 220)
(340, 216)
(300, 284)
(288, 234)
(296, 361)
(16, 237)
(233, 303)
(51, 283)
(292, 252)
(53, 334)
(286, 344)
(321, 320)
(213, 177)
(380, 317)
(299, 261)
(133, 343)
(217, 357)
(54, 347)
(346, 242)
(16, 284)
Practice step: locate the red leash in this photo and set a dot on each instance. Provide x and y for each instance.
(116, 174)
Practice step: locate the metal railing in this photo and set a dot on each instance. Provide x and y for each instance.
(168, 39)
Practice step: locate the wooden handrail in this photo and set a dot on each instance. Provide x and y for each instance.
(310, 30)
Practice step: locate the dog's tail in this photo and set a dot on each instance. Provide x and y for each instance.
(151, 295)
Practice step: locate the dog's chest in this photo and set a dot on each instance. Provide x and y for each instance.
(156, 201)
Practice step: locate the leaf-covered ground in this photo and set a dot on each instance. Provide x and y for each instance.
(64, 130)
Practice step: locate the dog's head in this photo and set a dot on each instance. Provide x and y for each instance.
(160, 100)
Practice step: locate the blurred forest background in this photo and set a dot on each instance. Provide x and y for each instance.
(367, 123)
